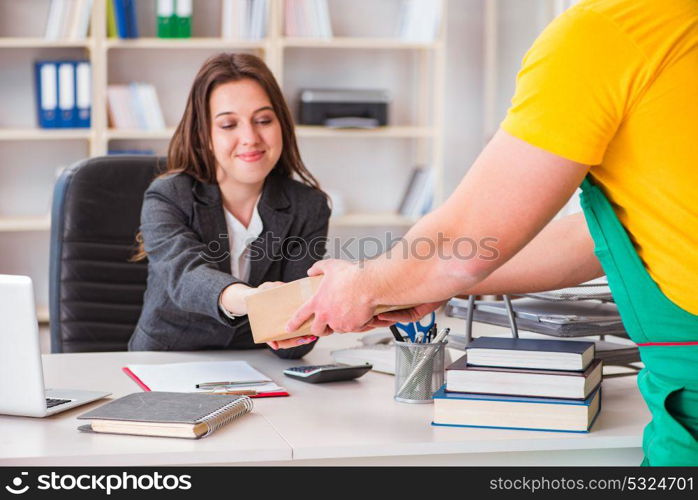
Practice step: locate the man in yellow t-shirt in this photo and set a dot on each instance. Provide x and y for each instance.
(614, 84)
(609, 89)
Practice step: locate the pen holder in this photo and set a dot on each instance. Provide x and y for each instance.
(419, 371)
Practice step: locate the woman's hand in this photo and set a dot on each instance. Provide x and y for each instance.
(294, 342)
(234, 297)
(239, 292)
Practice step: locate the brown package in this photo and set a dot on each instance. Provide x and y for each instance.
(270, 310)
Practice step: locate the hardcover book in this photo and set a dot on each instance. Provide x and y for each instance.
(516, 412)
(463, 377)
(546, 354)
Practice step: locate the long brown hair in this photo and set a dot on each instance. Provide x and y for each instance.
(189, 150)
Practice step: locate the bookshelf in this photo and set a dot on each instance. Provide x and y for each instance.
(413, 72)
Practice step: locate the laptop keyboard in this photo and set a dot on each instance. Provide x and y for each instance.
(51, 402)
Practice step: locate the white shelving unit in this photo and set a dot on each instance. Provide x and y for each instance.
(416, 115)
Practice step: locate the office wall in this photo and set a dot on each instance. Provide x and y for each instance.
(519, 21)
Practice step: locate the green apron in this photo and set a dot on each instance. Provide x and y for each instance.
(666, 334)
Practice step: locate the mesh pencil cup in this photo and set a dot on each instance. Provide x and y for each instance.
(419, 371)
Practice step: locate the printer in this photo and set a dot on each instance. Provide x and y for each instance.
(344, 108)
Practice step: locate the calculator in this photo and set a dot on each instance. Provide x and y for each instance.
(327, 373)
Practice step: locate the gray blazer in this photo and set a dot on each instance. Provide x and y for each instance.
(185, 236)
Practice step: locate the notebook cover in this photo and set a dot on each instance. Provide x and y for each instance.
(443, 394)
(88, 428)
(541, 345)
(162, 407)
(461, 364)
(146, 388)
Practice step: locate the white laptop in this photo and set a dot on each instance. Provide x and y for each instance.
(22, 389)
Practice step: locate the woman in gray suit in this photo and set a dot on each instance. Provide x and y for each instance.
(227, 219)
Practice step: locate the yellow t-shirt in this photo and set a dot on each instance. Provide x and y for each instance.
(614, 84)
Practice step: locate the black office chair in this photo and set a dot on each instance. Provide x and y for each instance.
(95, 293)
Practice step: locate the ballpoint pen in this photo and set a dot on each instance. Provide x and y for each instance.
(232, 393)
(207, 385)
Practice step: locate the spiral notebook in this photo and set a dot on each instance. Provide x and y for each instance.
(166, 414)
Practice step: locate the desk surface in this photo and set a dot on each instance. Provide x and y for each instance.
(339, 422)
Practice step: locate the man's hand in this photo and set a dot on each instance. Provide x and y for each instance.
(404, 315)
(340, 304)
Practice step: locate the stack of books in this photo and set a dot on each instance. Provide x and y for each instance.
(527, 384)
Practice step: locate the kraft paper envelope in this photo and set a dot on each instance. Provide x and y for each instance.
(270, 310)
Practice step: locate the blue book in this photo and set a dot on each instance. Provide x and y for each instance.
(123, 28)
(83, 94)
(46, 81)
(544, 354)
(461, 409)
(131, 20)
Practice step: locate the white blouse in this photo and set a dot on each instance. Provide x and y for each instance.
(240, 238)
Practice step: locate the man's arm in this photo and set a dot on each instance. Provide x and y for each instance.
(511, 192)
(561, 255)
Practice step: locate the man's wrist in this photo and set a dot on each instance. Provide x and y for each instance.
(369, 292)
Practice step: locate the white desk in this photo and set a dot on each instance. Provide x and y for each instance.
(354, 423)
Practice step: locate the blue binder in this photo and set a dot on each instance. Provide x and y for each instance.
(46, 73)
(83, 94)
(66, 94)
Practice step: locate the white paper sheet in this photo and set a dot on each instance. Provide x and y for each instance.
(183, 377)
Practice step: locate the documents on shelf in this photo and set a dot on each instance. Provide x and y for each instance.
(244, 19)
(184, 377)
(307, 18)
(417, 198)
(63, 93)
(134, 107)
(419, 20)
(68, 20)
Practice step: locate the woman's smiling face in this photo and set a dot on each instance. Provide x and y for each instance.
(245, 132)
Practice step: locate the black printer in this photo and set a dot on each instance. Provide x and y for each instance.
(344, 108)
